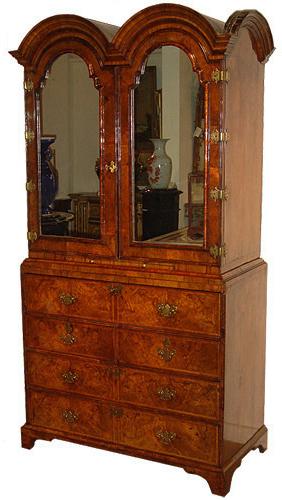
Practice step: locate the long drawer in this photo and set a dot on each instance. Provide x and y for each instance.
(173, 352)
(70, 414)
(169, 308)
(169, 435)
(69, 297)
(154, 307)
(169, 392)
(69, 336)
(70, 373)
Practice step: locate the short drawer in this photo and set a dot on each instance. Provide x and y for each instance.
(70, 414)
(68, 373)
(69, 336)
(173, 352)
(171, 309)
(170, 392)
(169, 435)
(67, 296)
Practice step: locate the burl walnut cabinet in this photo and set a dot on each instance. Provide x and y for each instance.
(151, 348)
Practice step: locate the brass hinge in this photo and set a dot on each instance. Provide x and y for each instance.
(220, 75)
(32, 236)
(30, 186)
(29, 135)
(217, 251)
(217, 136)
(218, 194)
(28, 85)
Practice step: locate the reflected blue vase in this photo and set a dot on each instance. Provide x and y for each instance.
(49, 177)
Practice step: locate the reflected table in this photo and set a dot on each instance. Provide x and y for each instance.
(56, 223)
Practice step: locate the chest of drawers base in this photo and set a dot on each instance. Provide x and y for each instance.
(146, 375)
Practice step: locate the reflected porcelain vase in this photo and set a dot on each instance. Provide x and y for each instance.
(160, 165)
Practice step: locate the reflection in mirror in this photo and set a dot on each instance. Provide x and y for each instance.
(168, 156)
(70, 142)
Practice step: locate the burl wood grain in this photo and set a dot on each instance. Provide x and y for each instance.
(48, 370)
(47, 410)
(69, 336)
(196, 311)
(192, 439)
(169, 392)
(92, 298)
(193, 356)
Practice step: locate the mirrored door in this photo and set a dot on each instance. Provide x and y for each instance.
(168, 152)
(69, 151)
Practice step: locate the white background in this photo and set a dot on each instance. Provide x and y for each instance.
(65, 470)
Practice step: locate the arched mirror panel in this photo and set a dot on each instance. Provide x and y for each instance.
(168, 155)
(69, 147)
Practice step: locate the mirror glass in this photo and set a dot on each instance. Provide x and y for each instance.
(69, 150)
(168, 151)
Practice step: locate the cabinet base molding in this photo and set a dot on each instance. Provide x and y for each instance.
(218, 478)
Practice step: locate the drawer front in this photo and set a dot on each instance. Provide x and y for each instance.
(169, 392)
(167, 308)
(69, 337)
(70, 414)
(172, 352)
(70, 374)
(69, 297)
(169, 435)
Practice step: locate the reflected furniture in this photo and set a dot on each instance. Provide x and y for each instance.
(150, 347)
(157, 212)
(56, 223)
(86, 210)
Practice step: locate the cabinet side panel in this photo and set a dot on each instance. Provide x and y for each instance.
(244, 358)
(243, 155)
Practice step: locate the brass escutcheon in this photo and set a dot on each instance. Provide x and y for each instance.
(165, 352)
(116, 412)
(115, 289)
(68, 338)
(112, 168)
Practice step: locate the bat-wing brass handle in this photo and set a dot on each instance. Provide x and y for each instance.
(70, 416)
(70, 377)
(166, 393)
(167, 310)
(67, 299)
(165, 437)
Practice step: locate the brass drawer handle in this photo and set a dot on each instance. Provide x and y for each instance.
(167, 310)
(67, 299)
(70, 377)
(115, 289)
(116, 412)
(165, 437)
(68, 338)
(166, 393)
(165, 352)
(70, 416)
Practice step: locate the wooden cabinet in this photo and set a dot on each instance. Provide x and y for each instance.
(157, 212)
(145, 334)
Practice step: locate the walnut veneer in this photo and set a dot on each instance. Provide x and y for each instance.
(153, 350)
